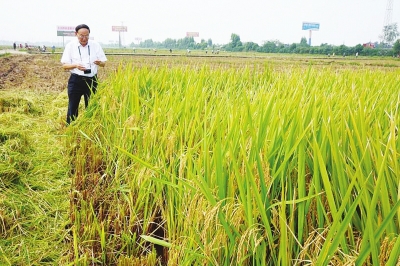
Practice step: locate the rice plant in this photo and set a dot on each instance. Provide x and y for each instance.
(34, 181)
(246, 163)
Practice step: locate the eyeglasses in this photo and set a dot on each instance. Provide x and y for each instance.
(83, 36)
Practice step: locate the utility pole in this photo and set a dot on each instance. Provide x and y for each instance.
(388, 14)
(120, 44)
(387, 23)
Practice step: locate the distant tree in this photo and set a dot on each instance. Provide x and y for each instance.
(303, 42)
(358, 48)
(269, 47)
(235, 40)
(293, 47)
(341, 50)
(235, 44)
(396, 48)
(169, 43)
(147, 43)
(202, 45)
(186, 43)
(326, 48)
(274, 46)
(251, 46)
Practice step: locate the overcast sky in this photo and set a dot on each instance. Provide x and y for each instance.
(348, 22)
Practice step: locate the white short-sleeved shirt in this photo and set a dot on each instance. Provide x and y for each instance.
(75, 53)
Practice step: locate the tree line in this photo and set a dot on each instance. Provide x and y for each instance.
(389, 46)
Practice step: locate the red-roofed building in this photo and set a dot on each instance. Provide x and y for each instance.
(369, 45)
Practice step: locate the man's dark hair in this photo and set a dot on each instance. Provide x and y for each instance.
(80, 26)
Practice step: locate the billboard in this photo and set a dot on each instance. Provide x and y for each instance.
(120, 28)
(310, 26)
(65, 30)
(192, 34)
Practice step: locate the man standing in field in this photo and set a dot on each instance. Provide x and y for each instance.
(81, 57)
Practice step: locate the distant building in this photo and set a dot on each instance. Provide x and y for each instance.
(369, 45)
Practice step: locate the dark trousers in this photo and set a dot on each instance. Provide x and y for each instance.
(79, 86)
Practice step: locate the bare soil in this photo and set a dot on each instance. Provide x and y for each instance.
(26, 71)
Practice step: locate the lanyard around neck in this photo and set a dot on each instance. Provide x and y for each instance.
(80, 55)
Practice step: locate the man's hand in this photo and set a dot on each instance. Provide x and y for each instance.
(72, 66)
(99, 63)
(80, 67)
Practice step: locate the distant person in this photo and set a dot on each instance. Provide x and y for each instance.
(15, 46)
(81, 57)
(53, 49)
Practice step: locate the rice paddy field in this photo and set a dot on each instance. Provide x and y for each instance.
(204, 160)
